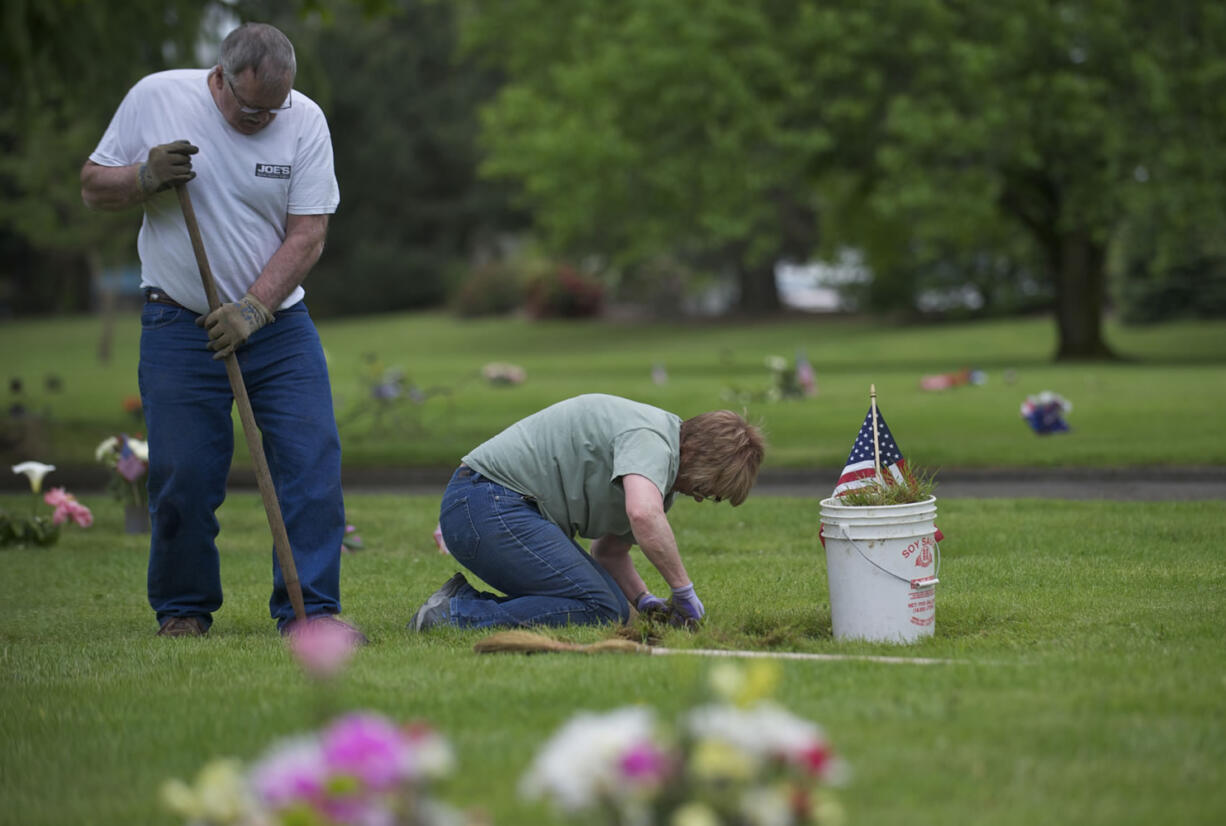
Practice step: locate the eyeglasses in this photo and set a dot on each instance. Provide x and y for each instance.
(247, 109)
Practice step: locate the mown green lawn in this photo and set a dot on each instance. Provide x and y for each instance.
(1091, 691)
(1161, 406)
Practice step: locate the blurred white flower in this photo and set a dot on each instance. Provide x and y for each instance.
(767, 805)
(219, 795)
(582, 762)
(745, 686)
(765, 731)
(694, 814)
(34, 471)
(433, 758)
(139, 447)
(107, 450)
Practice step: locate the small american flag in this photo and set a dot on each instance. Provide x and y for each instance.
(859, 469)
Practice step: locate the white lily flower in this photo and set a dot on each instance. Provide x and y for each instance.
(34, 471)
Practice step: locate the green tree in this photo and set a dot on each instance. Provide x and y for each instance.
(641, 130)
(402, 111)
(638, 128)
(1064, 118)
(65, 65)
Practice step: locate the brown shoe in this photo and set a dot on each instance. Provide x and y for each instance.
(331, 619)
(183, 627)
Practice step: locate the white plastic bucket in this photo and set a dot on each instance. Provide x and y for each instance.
(881, 564)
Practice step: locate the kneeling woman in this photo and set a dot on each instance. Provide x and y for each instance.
(598, 467)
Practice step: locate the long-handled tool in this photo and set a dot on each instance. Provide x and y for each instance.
(255, 442)
(528, 642)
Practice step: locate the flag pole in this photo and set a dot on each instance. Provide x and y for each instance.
(872, 395)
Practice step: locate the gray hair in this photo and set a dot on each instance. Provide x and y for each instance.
(260, 47)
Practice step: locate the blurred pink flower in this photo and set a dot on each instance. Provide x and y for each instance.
(439, 541)
(370, 748)
(322, 648)
(351, 541)
(56, 497)
(293, 771)
(67, 507)
(645, 762)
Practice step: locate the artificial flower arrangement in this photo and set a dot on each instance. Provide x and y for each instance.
(361, 768)
(129, 458)
(738, 760)
(36, 529)
(741, 760)
(1045, 412)
(787, 381)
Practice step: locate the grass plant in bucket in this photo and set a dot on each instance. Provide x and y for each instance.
(880, 536)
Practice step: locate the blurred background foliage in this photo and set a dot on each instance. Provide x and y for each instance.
(569, 158)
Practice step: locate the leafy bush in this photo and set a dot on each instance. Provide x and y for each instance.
(561, 291)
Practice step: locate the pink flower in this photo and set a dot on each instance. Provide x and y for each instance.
(294, 771)
(351, 541)
(322, 648)
(370, 748)
(439, 541)
(644, 762)
(81, 515)
(56, 497)
(67, 507)
(815, 760)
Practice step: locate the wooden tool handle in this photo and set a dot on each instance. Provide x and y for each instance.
(255, 442)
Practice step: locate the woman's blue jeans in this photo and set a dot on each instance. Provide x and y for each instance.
(187, 404)
(548, 579)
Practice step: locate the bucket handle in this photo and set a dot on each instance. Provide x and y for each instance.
(926, 581)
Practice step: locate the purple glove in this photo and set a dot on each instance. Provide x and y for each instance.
(686, 607)
(649, 603)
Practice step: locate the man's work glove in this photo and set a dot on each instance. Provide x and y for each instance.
(685, 608)
(167, 165)
(651, 605)
(232, 324)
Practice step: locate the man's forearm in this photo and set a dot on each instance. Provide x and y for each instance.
(111, 188)
(293, 260)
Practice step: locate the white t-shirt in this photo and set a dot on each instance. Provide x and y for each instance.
(245, 185)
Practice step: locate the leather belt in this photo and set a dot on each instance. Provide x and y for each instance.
(156, 295)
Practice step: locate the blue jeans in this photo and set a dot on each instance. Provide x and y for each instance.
(548, 579)
(187, 404)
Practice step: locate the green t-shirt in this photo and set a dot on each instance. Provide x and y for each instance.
(570, 458)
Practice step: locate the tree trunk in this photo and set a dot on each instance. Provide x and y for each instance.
(1078, 265)
(759, 293)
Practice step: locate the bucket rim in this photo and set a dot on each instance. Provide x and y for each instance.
(833, 501)
(830, 508)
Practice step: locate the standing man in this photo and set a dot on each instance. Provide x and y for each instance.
(600, 467)
(260, 156)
